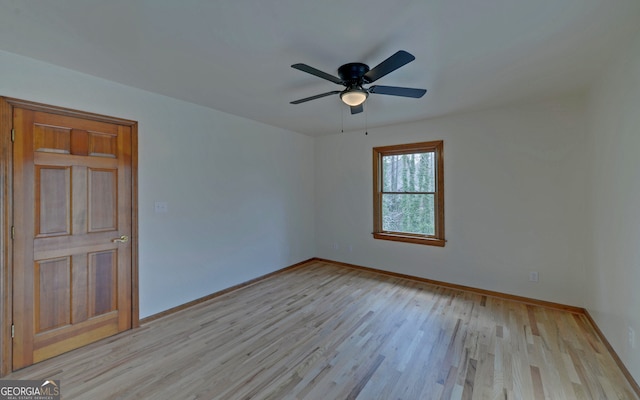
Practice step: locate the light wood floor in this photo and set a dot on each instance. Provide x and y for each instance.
(324, 331)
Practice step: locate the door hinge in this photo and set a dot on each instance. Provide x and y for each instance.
(13, 232)
(13, 134)
(13, 330)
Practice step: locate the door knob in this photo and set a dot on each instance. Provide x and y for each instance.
(121, 239)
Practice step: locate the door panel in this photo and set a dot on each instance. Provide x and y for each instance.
(51, 139)
(52, 192)
(103, 195)
(52, 289)
(72, 197)
(103, 285)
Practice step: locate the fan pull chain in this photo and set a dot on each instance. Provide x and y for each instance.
(366, 131)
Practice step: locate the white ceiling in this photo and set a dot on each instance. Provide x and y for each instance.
(235, 55)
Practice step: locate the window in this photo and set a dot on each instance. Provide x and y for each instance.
(408, 193)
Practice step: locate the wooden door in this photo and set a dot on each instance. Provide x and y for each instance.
(72, 274)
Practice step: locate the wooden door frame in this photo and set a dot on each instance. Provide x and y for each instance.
(6, 214)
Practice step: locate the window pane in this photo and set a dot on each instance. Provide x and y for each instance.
(409, 213)
(409, 173)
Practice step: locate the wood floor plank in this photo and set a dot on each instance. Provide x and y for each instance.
(326, 331)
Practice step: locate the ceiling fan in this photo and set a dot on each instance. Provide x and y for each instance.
(354, 75)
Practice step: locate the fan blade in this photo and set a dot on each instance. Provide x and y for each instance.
(391, 64)
(397, 91)
(357, 109)
(318, 96)
(317, 72)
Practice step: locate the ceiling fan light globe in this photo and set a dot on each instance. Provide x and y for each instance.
(353, 97)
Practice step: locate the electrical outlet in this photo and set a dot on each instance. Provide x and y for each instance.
(632, 337)
(533, 276)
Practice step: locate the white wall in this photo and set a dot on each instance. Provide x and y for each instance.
(612, 294)
(514, 200)
(240, 193)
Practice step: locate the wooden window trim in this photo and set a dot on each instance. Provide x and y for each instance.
(438, 239)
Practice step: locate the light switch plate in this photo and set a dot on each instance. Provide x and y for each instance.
(161, 207)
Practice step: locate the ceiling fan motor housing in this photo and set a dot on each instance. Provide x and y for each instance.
(352, 73)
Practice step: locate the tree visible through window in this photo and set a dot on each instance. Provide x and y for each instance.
(408, 193)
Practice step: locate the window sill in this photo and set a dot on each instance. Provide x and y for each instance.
(397, 237)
